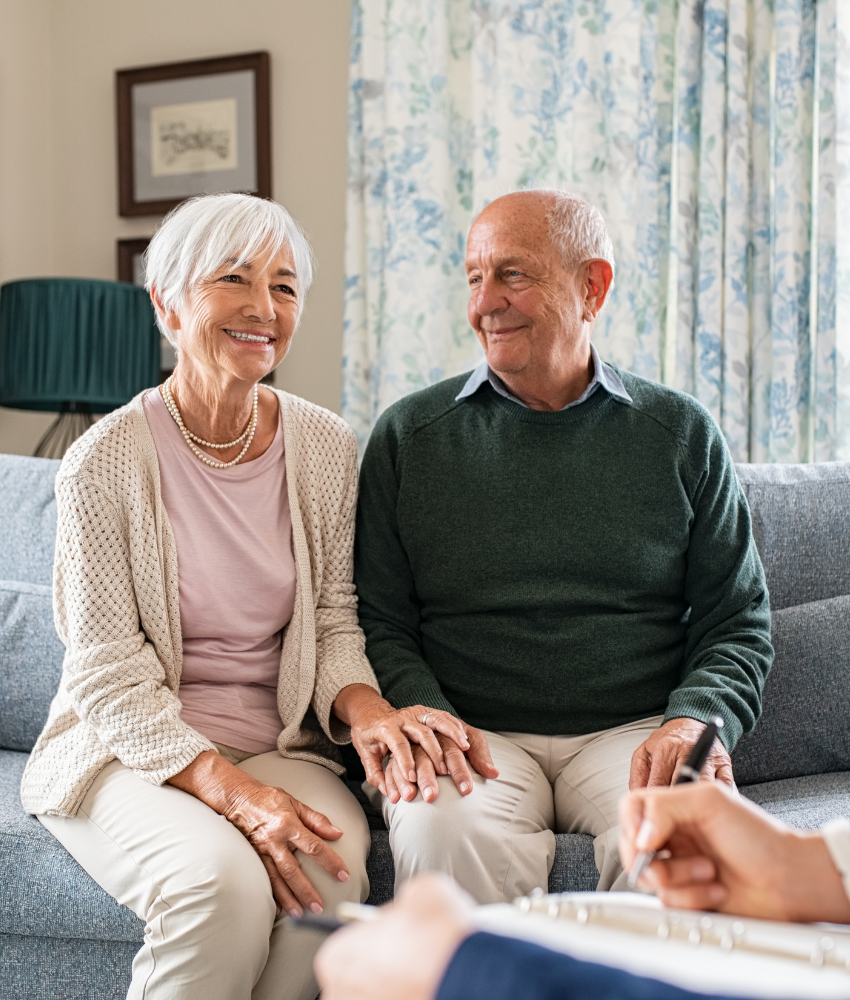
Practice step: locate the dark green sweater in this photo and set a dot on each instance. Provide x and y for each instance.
(560, 573)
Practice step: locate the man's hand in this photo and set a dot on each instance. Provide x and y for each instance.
(402, 955)
(659, 759)
(456, 761)
(729, 855)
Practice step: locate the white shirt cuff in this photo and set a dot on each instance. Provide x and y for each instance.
(836, 835)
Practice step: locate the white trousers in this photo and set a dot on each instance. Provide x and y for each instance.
(210, 926)
(498, 842)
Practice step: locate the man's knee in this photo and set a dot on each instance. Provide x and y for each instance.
(449, 824)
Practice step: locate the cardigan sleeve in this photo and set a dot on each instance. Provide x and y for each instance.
(114, 678)
(340, 644)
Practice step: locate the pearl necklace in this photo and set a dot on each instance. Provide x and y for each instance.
(191, 438)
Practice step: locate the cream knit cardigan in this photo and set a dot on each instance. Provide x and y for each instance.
(117, 609)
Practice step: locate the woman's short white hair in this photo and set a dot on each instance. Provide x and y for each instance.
(201, 234)
(577, 230)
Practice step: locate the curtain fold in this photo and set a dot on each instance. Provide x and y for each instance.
(712, 135)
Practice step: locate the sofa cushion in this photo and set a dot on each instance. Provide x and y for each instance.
(45, 892)
(802, 528)
(805, 803)
(27, 518)
(30, 662)
(805, 725)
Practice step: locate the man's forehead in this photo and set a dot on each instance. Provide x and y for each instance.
(504, 244)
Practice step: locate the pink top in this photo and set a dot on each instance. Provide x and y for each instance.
(236, 573)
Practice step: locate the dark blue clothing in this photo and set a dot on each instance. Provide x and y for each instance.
(491, 967)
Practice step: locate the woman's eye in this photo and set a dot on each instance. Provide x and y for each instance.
(286, 289)
(230, 277)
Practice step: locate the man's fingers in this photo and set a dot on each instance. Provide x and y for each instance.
(393, 793)
(640, 768)
(426, 777)
(664, 768)
(457, 769)
(479, 755)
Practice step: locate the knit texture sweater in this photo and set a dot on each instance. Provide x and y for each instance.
(560, 573)
(117, 609)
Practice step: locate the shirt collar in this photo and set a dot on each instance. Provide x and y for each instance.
(603, 375)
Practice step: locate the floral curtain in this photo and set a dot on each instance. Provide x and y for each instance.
(714, 135)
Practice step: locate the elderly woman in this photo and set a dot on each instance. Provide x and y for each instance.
(203, 591)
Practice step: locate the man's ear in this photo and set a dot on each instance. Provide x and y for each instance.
(168, 317)
(598, 275)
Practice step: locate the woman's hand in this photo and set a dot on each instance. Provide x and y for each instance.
(275, 824)
(729, 855)
(438, 744)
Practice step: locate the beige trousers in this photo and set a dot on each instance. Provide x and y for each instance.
(205, 897)
(498, 842)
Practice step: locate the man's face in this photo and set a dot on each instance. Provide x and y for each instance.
(525, 308)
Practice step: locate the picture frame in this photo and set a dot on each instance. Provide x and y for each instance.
(129, 260)
(190, 128)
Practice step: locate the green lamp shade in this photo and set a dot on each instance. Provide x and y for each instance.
(75, 340)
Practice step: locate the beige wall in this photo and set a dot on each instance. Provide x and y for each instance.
(58, 200)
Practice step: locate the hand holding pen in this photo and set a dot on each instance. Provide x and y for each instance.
(689, 772)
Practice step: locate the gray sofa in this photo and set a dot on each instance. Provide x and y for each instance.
(63, 938)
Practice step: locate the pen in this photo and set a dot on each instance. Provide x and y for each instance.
(345, 914)
(690, 771)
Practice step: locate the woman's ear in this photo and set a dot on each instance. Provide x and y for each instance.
(168, 317)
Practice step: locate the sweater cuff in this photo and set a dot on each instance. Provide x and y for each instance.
(430, 697)
(697, 705)
(836, 836)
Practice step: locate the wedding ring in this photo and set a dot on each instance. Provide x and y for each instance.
(424, 718)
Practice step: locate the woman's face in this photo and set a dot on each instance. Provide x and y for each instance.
(240, 320)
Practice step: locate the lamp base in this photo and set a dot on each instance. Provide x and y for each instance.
(73, 421)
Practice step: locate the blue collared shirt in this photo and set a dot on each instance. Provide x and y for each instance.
(603, 375)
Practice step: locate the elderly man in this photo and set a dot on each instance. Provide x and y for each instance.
(558, 553)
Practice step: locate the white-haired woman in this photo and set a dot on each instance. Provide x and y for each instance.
(203, 591)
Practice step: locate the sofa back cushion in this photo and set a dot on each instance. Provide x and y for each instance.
(30, 662)
(30, 651)
(805, 725)
(801, 525)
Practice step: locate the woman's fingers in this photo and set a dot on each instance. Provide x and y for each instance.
(297, 882)
(425, 738)
(448, 725)
(479, 754)
(402, 754)
(373, 766)
(284, 900)
(393, 793)
(316, 821)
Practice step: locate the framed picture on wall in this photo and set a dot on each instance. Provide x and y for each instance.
(191, 128)
(130, 260)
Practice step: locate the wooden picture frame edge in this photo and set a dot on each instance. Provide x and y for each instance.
(125, 250)
(125, 79)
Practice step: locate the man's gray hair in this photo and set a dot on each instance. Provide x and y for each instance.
(204, 233)
(577, 230)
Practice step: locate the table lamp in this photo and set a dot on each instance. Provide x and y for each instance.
(76, 346)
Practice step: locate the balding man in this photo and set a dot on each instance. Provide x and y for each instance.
(557, 552)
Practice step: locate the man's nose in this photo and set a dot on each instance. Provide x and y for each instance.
(489, 298)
